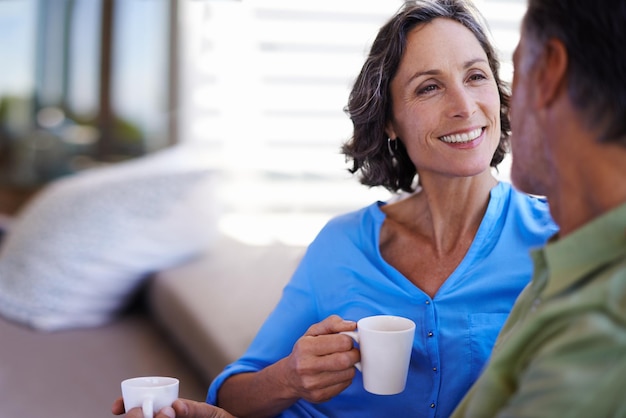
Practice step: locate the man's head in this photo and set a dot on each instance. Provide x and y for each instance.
(593, 33)
(568, 110)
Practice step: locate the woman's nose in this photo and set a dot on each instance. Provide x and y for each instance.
(461, 103)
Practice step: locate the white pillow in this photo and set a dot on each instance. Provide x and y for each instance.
(82, 247)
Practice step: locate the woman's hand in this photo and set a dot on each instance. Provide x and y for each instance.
(321, 364)
(181, 408)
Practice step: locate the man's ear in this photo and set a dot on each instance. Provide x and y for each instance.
(552, 71)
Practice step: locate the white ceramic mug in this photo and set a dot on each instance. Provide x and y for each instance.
(151, 393)
(385, 342)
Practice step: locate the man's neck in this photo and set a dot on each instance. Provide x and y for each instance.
(588, 186)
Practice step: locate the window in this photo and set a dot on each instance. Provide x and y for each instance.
(84, 82)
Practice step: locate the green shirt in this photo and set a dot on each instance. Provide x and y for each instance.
(562, 351)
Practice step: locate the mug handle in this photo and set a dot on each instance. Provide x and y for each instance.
(355, 336)
(148, 408)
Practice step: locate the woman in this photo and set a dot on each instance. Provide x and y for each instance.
(430, 118)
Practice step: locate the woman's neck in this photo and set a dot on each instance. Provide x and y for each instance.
(445, 211)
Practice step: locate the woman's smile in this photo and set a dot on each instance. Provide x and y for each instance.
(463, 137)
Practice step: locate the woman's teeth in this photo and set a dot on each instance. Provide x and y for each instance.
(465, 137)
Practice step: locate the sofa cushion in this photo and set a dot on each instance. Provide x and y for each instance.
(80, 249)
(214, 306)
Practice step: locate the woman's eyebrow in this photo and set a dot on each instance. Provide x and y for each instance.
(466, 65)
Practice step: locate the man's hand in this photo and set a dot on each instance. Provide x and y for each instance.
(181, 408)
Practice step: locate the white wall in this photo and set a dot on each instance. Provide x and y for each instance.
(264, 87)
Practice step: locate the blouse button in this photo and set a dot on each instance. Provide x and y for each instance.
(432, 405)
(427, 302)
(434, 369)
(430, 334)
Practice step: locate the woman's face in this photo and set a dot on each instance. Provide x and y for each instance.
(445, 102)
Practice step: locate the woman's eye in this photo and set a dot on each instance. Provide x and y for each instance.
(477, 77)
(427, 89)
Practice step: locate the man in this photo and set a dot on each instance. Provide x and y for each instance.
(562, 353)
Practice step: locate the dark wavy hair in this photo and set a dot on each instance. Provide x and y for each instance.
(594, 35)
(369, 104)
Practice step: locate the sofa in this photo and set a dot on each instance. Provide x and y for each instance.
(123, 271)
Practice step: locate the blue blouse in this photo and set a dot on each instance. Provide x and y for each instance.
(344, 273)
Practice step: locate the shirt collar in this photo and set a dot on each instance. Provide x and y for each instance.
(594, 244)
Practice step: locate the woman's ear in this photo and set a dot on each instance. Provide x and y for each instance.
(551, 72)
(390, 131)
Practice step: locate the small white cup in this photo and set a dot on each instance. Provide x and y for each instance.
(151, 393)
(385, 342)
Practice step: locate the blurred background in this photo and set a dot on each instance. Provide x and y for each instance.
(257, 87)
